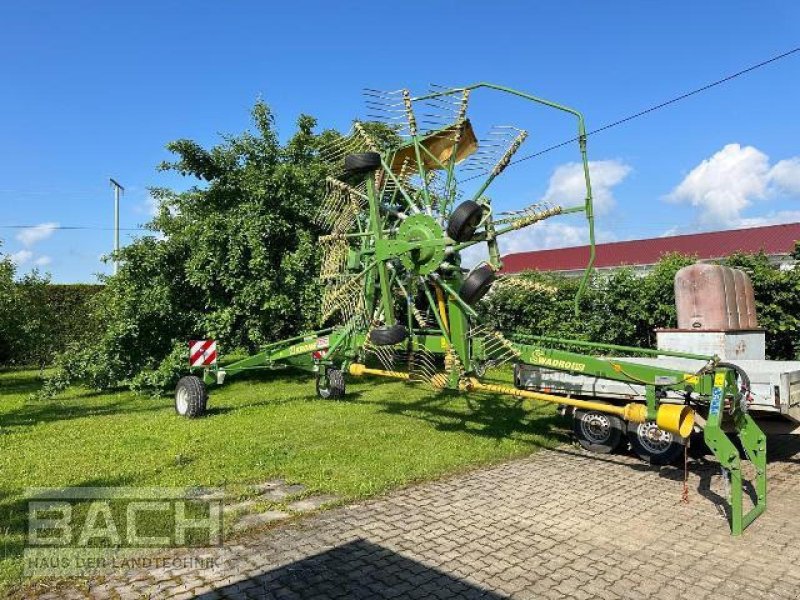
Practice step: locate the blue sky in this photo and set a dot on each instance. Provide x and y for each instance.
(94, 90)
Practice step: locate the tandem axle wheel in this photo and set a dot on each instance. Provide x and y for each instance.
(604, 433)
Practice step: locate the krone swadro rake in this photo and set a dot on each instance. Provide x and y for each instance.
(398, 304)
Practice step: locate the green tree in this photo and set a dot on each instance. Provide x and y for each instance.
(777, 294)
(624, 307)
(232, 257)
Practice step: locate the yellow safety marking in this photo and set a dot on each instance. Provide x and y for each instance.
(719, 379)
(442, 307)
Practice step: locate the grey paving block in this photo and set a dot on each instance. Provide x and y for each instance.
(310, 503)
(560, 523)
(282, 492)
(268, 485)
(239, 506)
(256, 519)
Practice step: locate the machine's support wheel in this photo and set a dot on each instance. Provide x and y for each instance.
(476, 284)
(596, 431)
(365, 162)
(464, 221)
(654, 445)
(191, 397)
(388, 335)
(330, 385)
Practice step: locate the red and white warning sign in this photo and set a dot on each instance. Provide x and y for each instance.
(322, 344)
(202, 353)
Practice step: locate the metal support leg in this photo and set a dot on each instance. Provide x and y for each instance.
(755, 444)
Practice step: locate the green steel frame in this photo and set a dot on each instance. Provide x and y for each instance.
(420, 245)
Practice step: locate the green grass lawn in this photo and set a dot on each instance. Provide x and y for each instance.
(380, 436)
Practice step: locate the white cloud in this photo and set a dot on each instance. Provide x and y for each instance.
(544, 235)
(24, 257)
(149, 206)
(786, 175)
(567, 186)
(733, 179)
(772, 218)
(32, 235)
(541, 236)
(21, 257)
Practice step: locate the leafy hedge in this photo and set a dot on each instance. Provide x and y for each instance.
(625, 308)
(39, 319)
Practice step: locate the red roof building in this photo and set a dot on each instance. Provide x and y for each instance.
(777, 241)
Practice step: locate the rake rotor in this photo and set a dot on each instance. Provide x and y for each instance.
(398, 220)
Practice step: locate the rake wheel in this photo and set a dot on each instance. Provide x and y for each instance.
(464, 221)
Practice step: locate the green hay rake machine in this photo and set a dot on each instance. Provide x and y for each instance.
(400, 305)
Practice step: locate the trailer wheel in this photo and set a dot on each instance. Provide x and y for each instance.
(654, 445)
(597, 431)
(191, 397)
(331, 385)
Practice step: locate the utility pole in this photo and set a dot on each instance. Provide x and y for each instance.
(117, 190)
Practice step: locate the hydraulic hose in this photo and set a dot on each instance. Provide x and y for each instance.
(744, 387)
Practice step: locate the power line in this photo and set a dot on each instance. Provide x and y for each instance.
(654, 108)
(616, 123)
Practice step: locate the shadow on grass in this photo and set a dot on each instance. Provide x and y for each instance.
(496, 417)
(31, 411)
(123, 402)
(17, 381)
(45, 413)
(358, 569)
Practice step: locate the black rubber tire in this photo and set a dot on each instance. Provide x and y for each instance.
(388, 335)
(365, 162)
(597, 431)
(476, 284)
(334, 388)
(191, 397)
(655, 453)
(464, 221)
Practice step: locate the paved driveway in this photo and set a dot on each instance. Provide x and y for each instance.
(558, 524)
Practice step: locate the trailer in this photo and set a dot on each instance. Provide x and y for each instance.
(773, 396)
(397, 303)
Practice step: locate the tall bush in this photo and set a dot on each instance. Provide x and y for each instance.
(232, 258)
(38, 319)
(625, 307)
